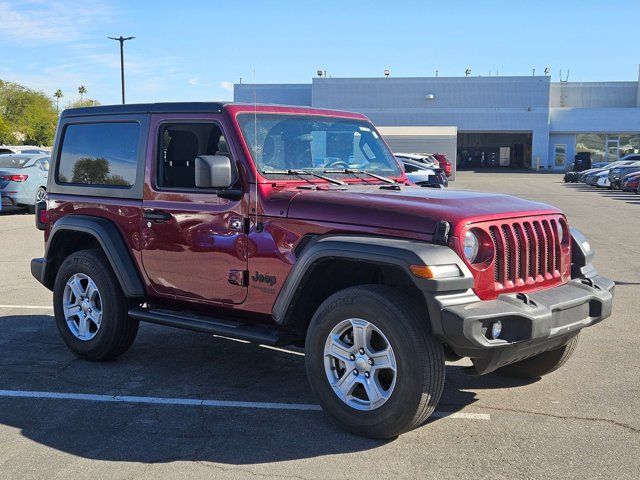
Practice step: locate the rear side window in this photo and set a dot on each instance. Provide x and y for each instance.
(104, 154)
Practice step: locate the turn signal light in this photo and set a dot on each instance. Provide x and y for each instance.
(435, 271)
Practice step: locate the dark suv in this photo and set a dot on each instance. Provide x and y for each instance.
(284, 225)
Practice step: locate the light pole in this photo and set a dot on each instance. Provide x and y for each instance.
(122, 39)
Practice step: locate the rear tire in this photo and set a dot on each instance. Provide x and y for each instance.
(76, 315)
(541, 364)
(411, 389)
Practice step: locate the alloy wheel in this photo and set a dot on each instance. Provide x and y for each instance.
(82, 306)
(360, 364)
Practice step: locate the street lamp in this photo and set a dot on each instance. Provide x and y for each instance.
(122, 39)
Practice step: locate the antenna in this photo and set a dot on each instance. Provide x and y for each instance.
(387, 72)
(255, 143)
(533, 74)
(437, 73)
(467, 72)
(546, 71)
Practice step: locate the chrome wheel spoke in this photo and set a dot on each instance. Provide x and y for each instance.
(346, 384)
(374, 391)
(339, 350)
(361, 334)
(383, 359)
(83, 325)
(76, 287)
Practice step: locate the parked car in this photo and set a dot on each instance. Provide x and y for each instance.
(631, 182)
(444, 162)
(324, 247)
(602, 180)
(587, 175)
(423, 175)
(23, 179)
(424, 158)
(617, 173)
(23, 149)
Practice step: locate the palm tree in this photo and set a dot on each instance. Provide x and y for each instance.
(82, 90)
(58, 95)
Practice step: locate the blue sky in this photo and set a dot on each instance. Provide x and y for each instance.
(196, 50)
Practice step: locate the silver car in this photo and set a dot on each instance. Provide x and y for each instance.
(23, 179)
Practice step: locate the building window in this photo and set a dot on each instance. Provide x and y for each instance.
(561, 155)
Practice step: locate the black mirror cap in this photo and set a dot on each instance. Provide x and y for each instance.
(215, 171)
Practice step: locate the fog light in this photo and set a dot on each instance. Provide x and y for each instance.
(496, 329)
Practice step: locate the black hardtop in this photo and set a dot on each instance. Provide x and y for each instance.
(142, 108)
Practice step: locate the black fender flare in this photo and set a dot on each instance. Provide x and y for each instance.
(396, 252)
(113, 246)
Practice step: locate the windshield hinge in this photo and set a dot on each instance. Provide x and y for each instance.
(441, 235)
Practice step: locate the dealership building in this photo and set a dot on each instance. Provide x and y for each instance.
(509, 122)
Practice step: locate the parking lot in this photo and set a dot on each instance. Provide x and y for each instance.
(184, 404)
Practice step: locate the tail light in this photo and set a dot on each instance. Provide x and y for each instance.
(41, 215)
(15, 178)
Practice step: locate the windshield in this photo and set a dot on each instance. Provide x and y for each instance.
(314, 143)
(11, 161)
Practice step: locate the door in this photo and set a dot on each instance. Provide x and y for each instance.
(193, 242)
(613, 144)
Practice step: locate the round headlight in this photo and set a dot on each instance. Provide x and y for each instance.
(471, 246)
(560, 233)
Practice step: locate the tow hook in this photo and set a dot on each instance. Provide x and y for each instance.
(525, 299)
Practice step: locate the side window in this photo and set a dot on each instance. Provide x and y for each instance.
(179, 145)
(104, 154)
(44, 164)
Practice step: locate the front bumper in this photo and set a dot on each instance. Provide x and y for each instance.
(531, 323)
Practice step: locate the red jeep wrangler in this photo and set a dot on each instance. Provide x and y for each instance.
(284, 225)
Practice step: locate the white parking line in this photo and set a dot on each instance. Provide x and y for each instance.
(194, 402)
(28, 307)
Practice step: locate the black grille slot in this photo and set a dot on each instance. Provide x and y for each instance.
(529, 233)
(507, 246)
(539, 239)
(521, 250)
(498, 257)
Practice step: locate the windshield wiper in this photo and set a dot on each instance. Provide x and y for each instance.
(335, 181)
(354, 171)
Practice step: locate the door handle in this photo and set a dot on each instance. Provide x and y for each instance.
(157, 215)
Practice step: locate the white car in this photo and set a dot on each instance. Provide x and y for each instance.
(427, 159)
(23, 149)
(23, 179)
(603, 180)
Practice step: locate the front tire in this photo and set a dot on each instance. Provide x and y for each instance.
(372, 362)
(90, 308)
(541, 364)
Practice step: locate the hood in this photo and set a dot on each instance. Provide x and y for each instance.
(414, 209)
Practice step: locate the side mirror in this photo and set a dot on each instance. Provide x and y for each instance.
(215, 171)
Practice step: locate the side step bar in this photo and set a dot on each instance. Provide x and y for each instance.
(213, 326)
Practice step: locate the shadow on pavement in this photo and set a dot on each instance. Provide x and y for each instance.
(177, 364)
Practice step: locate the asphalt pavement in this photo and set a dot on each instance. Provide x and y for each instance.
(187, 405)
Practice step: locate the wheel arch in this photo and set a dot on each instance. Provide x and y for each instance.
(79, 232)
(332, 263)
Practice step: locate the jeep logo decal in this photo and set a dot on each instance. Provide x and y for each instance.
(268, 279)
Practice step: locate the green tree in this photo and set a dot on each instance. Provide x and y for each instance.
(58, 95)
(82, 90)
(26, 116)
(90, 170)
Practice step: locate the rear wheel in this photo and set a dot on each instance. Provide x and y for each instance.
(90, 308)
(41, 196)
(541, 364)
(372, 361)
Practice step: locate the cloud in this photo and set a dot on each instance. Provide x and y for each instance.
(51, 22)
(227, 85)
